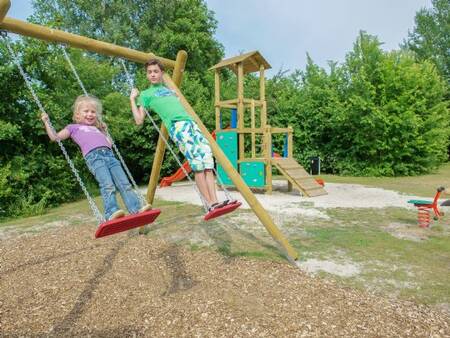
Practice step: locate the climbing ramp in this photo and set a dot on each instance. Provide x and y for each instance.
(298, 177)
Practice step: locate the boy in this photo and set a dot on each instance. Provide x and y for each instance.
(182, 129)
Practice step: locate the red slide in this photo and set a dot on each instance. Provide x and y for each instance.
(179, 174)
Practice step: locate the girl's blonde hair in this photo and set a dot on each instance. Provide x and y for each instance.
(98, 109)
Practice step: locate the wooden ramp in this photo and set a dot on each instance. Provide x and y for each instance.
(298, 176)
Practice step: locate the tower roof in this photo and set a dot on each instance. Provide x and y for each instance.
(252, 62)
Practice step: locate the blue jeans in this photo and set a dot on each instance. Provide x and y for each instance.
(109, 174)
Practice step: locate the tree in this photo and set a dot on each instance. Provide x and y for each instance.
(159, 26)
(430, 38)
(377, 114)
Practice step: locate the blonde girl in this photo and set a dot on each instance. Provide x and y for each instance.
(89, 133)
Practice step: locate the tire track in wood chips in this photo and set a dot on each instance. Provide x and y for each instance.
(67, 324)
(180, 277)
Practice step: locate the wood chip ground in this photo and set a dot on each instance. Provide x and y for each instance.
(61, 283)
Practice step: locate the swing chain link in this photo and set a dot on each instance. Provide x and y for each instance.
(93, 206)
(177, 159)
(114, 146)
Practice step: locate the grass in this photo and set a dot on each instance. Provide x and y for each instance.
(412, 185)
(412, 269)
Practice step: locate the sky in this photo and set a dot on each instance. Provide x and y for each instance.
(284, 31)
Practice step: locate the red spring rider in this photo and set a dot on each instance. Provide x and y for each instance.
(424, 207)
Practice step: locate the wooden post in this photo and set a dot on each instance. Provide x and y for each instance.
(161, 146)
(268, 156)
(77, 41)
(241, 108)
(252, 107)
(4, 7)
(290, 145)
(217, 97)
(262, 96)
(245, 191)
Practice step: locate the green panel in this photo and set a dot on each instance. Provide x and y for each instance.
(228, 142)
(253, 173)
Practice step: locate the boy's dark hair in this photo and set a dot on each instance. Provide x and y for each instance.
(153, 62)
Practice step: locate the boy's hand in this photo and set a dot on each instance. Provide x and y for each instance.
(44, 117)
(134, 94)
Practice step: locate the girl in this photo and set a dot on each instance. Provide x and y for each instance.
(90, 135)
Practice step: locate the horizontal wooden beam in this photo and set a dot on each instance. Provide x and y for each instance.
(249, 102)
(77, 41)
(233, 103)
(256, 159)
(249, 130)
(228, 106)
(280, 130)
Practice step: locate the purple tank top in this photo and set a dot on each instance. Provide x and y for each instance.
(87, 137)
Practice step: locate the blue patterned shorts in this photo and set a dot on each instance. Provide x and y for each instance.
(192, 143)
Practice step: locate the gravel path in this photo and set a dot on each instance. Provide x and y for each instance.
(57, 283)
(339, 196)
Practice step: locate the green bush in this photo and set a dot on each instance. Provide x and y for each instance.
(378, 114)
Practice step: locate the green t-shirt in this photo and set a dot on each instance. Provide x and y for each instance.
(165, 103)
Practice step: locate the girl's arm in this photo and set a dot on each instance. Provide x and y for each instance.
(61, 135)
(138, 112)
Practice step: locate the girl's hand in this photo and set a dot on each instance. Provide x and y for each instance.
(44, 117)
(134, 94)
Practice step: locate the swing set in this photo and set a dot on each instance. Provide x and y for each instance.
(138, 220)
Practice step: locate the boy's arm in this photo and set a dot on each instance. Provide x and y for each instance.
(61, 135)
(138, 112)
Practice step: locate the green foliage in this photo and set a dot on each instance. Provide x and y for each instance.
(379, 114)
(430, 38)
(33, 172)
(161, 26)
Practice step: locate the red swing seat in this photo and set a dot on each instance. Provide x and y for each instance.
(126, 223)
(222, 211)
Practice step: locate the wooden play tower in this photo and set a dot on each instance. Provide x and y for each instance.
(247, 141)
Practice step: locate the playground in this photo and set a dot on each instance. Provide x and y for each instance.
(244, 238)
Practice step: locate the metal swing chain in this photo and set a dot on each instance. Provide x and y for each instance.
(116, 149)
(222, 185)
(93, 206)
(202, 198)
